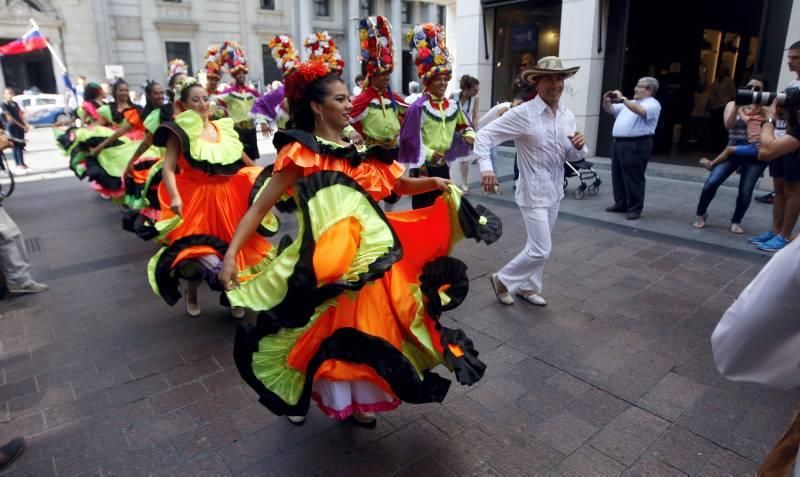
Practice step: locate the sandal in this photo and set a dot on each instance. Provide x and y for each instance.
(366, 420)
(296, 420)
(700, 221)
(737, 229)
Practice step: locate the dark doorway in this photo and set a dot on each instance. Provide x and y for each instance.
(688, 49)
(34, 69)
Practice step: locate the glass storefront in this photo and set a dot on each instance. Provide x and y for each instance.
(523, 33)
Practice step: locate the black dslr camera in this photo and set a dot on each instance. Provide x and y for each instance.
(789, 99)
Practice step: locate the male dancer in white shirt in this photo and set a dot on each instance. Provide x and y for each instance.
(544, 133)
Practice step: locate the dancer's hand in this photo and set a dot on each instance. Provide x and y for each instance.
(228, 276)
(356, 138)
(176, 206)
(442, 184)
(266, 131)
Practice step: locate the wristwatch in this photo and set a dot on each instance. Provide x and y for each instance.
(768, 121)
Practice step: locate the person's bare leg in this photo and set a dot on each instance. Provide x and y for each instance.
(791, 209)
(192, 306)
(778, 205)
(464, 175)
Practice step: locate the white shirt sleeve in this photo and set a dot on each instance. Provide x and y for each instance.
(652, 108)
(617, 107)
(511, 125)
(758, 338)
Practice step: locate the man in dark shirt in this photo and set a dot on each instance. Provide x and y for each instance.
(16, 126)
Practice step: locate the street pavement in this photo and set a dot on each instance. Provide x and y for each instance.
(615, 376)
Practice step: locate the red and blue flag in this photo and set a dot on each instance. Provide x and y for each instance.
(32, 40)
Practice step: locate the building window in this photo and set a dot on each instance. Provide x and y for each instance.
(268, 4)
(406, 13)
(322, 8)
(181, 50)
(366, 7)
(271, 71)
(440, 14)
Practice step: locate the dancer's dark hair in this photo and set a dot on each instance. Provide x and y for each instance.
(301, 114)
(92, 91)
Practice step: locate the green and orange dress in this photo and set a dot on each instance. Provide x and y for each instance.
(216, 189)
(349, 310)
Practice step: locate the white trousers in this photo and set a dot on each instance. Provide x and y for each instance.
(524, 272)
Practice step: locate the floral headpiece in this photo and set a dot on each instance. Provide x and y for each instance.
(187, 83)
(232, 55)
(320, 47)
(177, 67)
(377, 47)
(429, 51)
(284, 54)
(305, 74)
(213, 63)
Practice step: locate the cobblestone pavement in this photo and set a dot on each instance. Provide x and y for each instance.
(614, 376)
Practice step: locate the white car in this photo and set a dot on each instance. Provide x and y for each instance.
(42, 109)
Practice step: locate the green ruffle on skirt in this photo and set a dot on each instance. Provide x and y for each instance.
(114, 160)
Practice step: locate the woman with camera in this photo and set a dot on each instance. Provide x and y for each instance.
(735, 120)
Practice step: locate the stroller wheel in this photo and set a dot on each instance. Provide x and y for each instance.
(593, 189)
(579, 194)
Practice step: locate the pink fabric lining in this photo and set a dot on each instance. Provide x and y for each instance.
(354, 408)
(111, 193)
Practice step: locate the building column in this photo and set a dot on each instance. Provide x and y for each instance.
(352, 62)
(396, 19)
(303, 25)
(465, 42)
(578, 47)
(791, 37)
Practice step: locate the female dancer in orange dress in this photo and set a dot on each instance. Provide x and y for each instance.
(349, 311)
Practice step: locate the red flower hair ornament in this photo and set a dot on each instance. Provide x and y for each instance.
(305, 74)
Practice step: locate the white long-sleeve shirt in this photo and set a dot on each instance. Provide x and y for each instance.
(758, 338)
(543, 145)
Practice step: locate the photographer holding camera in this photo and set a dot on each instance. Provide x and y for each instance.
(779, 144)
(634, 127)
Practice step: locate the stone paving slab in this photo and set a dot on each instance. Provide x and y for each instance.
(614, 377)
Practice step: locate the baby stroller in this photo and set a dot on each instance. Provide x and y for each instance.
(583, 171)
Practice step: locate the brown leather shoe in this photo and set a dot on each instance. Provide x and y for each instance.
(614, 208)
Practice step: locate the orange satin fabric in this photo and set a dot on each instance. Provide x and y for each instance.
(214, 205)
(384, 308)
(336, 249)
(376, 178)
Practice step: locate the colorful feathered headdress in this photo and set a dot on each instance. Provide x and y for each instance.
(232, 55)
(213, 64)
(177, 67)
(320, 47)
(284, 54)
(429, 50)
(377, 47)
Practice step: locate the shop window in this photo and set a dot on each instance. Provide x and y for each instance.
(441, 14)
(322, 8)
(524, 32)
(268, 4)
(181, 50)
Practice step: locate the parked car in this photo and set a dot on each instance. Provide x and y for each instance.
(43, 109)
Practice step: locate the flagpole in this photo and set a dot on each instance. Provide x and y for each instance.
(50, 47)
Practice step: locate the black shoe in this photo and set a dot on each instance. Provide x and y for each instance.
(365, 423)
(614, 208)
(766, 198)
(633, 216)
(11, 451)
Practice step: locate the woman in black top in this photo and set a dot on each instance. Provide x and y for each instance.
(16, 126)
